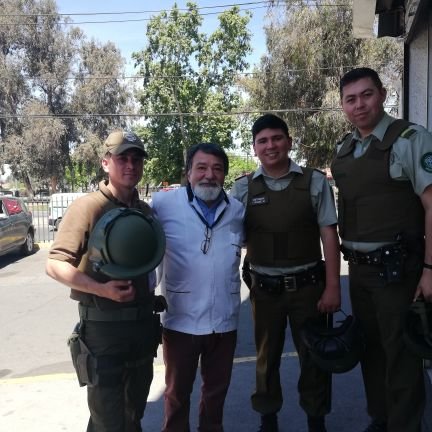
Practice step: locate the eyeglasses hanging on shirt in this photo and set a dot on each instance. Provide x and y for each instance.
(205, 245)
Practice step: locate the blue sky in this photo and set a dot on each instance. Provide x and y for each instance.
(130, 36)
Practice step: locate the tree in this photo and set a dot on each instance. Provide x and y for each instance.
(309, 48)
(188, 73)
(238, 166)
(13, 87)
(50, 70)
(41, 54)
(99, 91)
(36, 150)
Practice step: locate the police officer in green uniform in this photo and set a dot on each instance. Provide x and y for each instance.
(118, 333)
(289, 209)
(384, 174)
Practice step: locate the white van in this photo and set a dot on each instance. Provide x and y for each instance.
(58, 204)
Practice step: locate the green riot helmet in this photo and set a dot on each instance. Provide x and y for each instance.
(417, 331)
(126, 244)
(335, 350)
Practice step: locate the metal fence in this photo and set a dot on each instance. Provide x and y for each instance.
(40, 212)
(46, 214)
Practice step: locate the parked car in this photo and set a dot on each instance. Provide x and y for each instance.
(5, 192)
(16, 226)
(58, 204)
(170, 187)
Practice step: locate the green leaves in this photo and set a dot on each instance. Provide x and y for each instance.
(188, 73)
(39, 59)
(309, 48)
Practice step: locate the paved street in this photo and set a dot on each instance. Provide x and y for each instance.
(39, 391)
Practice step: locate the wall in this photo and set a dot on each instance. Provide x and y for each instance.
(420, 67)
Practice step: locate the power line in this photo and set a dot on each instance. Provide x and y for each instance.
(170, 114)
(112, 21)
(134, 12)
(267, 2)
(314, 3)
(238, 74)
(149, 19)
(176, 114)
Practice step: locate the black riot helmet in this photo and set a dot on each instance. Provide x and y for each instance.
(337, 349)
(125, 244)
(418, 328)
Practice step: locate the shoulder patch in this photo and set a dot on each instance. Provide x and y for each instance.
(240, 177)
(426, 162)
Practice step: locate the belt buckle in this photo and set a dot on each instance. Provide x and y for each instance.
(354, 258)
(289, 283)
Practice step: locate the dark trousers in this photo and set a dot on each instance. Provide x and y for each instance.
(181, 355)
(117, 404)
(392, 376)
(271, 314)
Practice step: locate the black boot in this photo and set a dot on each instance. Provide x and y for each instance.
(316, 424)
(376, 426)
(269, 423)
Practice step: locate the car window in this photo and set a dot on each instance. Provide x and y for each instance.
(13, 206)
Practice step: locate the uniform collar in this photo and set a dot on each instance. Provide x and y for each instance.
(293, 168)
(103, 187)
(379, 130)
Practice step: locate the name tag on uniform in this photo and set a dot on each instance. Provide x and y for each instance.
(259, 200)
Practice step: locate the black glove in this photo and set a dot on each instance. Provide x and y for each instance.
(160, 304)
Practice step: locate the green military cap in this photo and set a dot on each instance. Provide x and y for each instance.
(119, 141)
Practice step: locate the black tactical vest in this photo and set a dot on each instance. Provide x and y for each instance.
(372, 206)
(281, 226)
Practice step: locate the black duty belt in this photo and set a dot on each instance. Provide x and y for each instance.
(379, 256)
(137, 313)
(289, 282)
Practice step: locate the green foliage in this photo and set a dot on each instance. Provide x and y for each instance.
(80, 177)
(38, 57)
(95, 95)
(37, 150)
(238, 166)
(188, 72)
(309, 48)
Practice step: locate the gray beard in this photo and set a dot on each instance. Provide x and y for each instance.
(207, 193)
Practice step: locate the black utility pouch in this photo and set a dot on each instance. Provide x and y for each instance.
(157, 333)
(393, 261)
(246, 274)
(82, 359)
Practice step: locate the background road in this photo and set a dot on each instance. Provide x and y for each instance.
(38, 387)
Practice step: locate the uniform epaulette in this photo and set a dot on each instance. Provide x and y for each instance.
(240, 177)
(321, 172)
(407, 133)
(340, 142)
(246, 174)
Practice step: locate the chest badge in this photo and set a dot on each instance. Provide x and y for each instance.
(259, 200)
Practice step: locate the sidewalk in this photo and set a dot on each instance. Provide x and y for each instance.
(54, 402)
